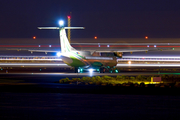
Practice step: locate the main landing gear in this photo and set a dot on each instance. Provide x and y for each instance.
(111, 70)
(102, 70)
(76, 70)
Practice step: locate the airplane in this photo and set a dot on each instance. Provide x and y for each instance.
(81, 60)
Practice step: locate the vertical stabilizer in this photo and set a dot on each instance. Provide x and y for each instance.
(65, 45)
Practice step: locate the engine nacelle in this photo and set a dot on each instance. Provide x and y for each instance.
(118, 54)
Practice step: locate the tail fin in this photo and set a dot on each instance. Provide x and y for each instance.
(65, 45)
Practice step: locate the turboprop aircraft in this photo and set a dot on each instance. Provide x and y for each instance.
(84, 59)
(80, 59)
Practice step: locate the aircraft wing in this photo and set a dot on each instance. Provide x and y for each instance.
(43, 51)
(118, 50)
(34, 50)
(107, 51)
(110, 50)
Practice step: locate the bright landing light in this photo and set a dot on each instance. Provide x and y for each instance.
(61, 23)
(58, 54)
(90, 70)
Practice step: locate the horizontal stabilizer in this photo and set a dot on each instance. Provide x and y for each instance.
(60, 27)
(48, 27)
(74, 27)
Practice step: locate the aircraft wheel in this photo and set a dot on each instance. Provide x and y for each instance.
(102, 70)
(76, 70)
(116, 71)
(110, 71)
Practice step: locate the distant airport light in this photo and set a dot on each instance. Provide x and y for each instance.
(147, 45)
(68, 17)
(61, 23)
(49, 45)
(99, 45)
(154, 45)
(95, 37)
(39, 45)
(107, 45)
(146, 37)
(34, 37)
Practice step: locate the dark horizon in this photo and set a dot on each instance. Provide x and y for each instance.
(107, 19)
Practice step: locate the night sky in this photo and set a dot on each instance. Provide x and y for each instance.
(102, 18)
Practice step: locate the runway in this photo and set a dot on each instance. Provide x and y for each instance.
(16, 54)
(57, 75)
(65, 65)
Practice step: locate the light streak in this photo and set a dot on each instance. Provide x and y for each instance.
(150, 57)
(33, 64)
(148, 65)
(143, 60)
(31, 59)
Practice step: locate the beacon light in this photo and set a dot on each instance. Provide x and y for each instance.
(61, 23)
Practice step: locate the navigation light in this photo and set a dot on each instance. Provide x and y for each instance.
(81, 70)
